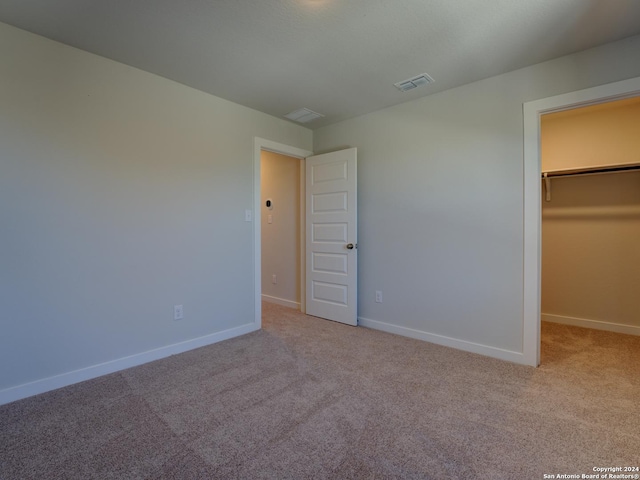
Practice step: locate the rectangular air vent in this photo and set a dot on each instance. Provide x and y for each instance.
(417, 81)
(303, 115)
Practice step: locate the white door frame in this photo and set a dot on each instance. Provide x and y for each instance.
(260, 144)
(532, 184)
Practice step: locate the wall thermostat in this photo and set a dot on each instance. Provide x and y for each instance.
(269, 204)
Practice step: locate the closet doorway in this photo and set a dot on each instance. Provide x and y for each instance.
(533, 112)
(591, 216)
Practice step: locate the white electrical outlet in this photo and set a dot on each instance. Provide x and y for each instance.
(178, 312)
(274, 279)
(247, 215)
(378, 296)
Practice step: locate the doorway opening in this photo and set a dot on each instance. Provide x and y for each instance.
(262, 145)
(281, 226)
(532, 112)
(591, 216)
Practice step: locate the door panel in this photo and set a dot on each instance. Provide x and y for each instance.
(331, 225)
(331, 263)
(330, 232)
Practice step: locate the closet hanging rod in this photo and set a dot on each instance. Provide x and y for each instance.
(547, 176)
(594, 171)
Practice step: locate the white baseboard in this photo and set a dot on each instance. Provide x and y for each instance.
(58, 381)
(281, 301)
(516, 357)
(595, 324)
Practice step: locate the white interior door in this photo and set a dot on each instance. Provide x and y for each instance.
(331, 236)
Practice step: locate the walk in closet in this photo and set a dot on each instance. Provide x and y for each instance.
(591, 216)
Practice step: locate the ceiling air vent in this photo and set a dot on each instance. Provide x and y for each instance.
(418, 81)
(303, 115)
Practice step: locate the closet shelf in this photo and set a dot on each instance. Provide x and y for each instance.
(598, 170)
(592, 170)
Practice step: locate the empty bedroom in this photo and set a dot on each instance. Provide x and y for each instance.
(319, 239)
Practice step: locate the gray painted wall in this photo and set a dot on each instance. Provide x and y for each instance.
(121, 194)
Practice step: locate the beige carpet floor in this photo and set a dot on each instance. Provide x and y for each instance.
(308, 398)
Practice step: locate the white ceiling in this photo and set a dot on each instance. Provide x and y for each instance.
(337, 57)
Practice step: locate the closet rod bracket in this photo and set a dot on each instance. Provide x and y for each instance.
(547, 186)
